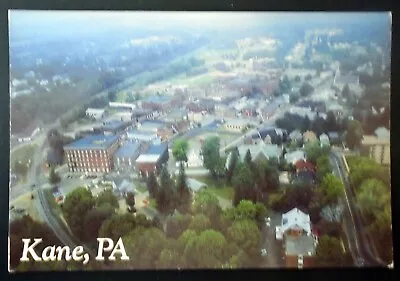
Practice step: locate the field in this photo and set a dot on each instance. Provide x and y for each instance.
(23, 154)
(217, 187)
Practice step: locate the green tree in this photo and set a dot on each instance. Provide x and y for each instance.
(199, 223)
(372, 197)
(332, 188)
(130, 199)
(233, 160)
(207, 203)
(314, 151)
(331, 124)
(76, 205)
(183, 192)
(176, 225)
(306, 89)
(211, 157)
(152, 185)
(293, 98)
(346, 92)
(107, 196)
(244, 184)
(93, 221)
(323, 167)
(246, 235)
(166, 196)
(248, 158)
(329, 253)
(169, 259)
(180, 149)
(54, 178)
(297, 78)
(381, 231)
(112, 96)
(354, 134)
(306, 124)
(117, 226)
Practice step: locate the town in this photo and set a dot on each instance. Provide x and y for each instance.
(243, 162)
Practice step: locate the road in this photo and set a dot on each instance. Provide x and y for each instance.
(354, 228)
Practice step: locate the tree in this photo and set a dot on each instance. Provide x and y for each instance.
(169, 259)
(166, 195)
(247, 210)
(207, 203)
(244, 184)
(233, 159)
(248, 158)
(308, 77)
(180, 149)
(293, 98)
(76, 205)
(183, 193)
(330, 123)
(130, 199)
(199, 223)
(177, 224)
(210, 150)
(329, 253)
(54, 178)
(152, 185)
(372, 197)
(346, 92)
(354, 134)
(107, 196)
(306, 124)
(332, 213)
(323, 167)
(381, 231)
(306, 89)
(297, 78)
(93, 221)
(112, 96)
(332, 188)
(117, 226)
(246, 235)
(206, 250)
(314, 151)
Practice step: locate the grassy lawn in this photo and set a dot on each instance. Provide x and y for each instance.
(54, 206)
(152, 203)
(141, 187)
(23, 154)
(218, 187)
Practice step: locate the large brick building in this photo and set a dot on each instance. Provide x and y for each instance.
(152, 160)
(92, 153)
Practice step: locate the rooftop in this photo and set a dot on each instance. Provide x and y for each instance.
(295, 218)
(157, 99)
(156, 149)
(268, 150)
(128, 149)
(300, 245)
(382, 133)
(151, 125)
(372, 140)
(93, 142)
(195, 185)
(113, 125)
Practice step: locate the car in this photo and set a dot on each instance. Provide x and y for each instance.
(268, 224)
(264, 252)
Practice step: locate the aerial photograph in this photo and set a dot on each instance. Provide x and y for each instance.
(199, 140)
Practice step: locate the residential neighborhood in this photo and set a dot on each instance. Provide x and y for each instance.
(267, 162)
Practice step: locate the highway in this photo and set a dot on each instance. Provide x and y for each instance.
(355, 231)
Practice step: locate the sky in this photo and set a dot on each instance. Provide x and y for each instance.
(54, 21)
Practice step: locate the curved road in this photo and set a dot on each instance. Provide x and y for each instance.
(353, 224)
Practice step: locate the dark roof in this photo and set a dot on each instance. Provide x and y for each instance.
(93, 142)
(128, 149)
(305, 177)
(156, 149)
(113, 125)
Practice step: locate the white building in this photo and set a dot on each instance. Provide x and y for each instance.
(95, 113)
(295, 156)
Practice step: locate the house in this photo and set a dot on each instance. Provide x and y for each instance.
(299, 241)
(304, 177)
(152, 126)
(293, 157)
(165, 133)
(249, 111)
(324, 140)
(95, 113)
(194, 158)
(225, 111)
(152, 160)
(267, 111)
(122, 105)
(125, 156)
(236, 125)
(342, 80)
(160, 103)
(196, 116)
(303, 165)
(176, 115)
(284, 178)
(309, 136)
(296, 135)
(382, 133)
(93, 153)
(276, 135)
(260, 151)
(195, 185)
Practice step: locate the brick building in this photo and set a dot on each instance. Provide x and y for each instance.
(92, 153)
(152, 160)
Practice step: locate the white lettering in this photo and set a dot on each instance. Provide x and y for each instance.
(49, 254)
(101, 248)
(77, 253)
(60, 250)
(30, 249)
(119, 248)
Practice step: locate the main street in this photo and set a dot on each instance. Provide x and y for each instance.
(355, 231)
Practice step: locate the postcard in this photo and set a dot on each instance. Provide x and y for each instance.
(199, 140)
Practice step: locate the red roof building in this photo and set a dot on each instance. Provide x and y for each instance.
(302, 165)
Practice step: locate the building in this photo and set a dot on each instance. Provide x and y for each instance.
(152, 160)
(113, 127)
(324, 140)
(299, 242)
(303, 165)
(196, 116)
(152, 126)
(235, 125)
(91, 154)
(260, 151)
(195, 159)
(293, 157)
(377, 146)
(176, 115)
(159, 103)
(334, 137)
(95, 113)
(342, 80)
(309, 136)
(275, 135)
(126, 155)
(296, 135)
(122, 105)
(136, 135)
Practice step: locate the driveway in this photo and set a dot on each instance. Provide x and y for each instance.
(274, 247)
